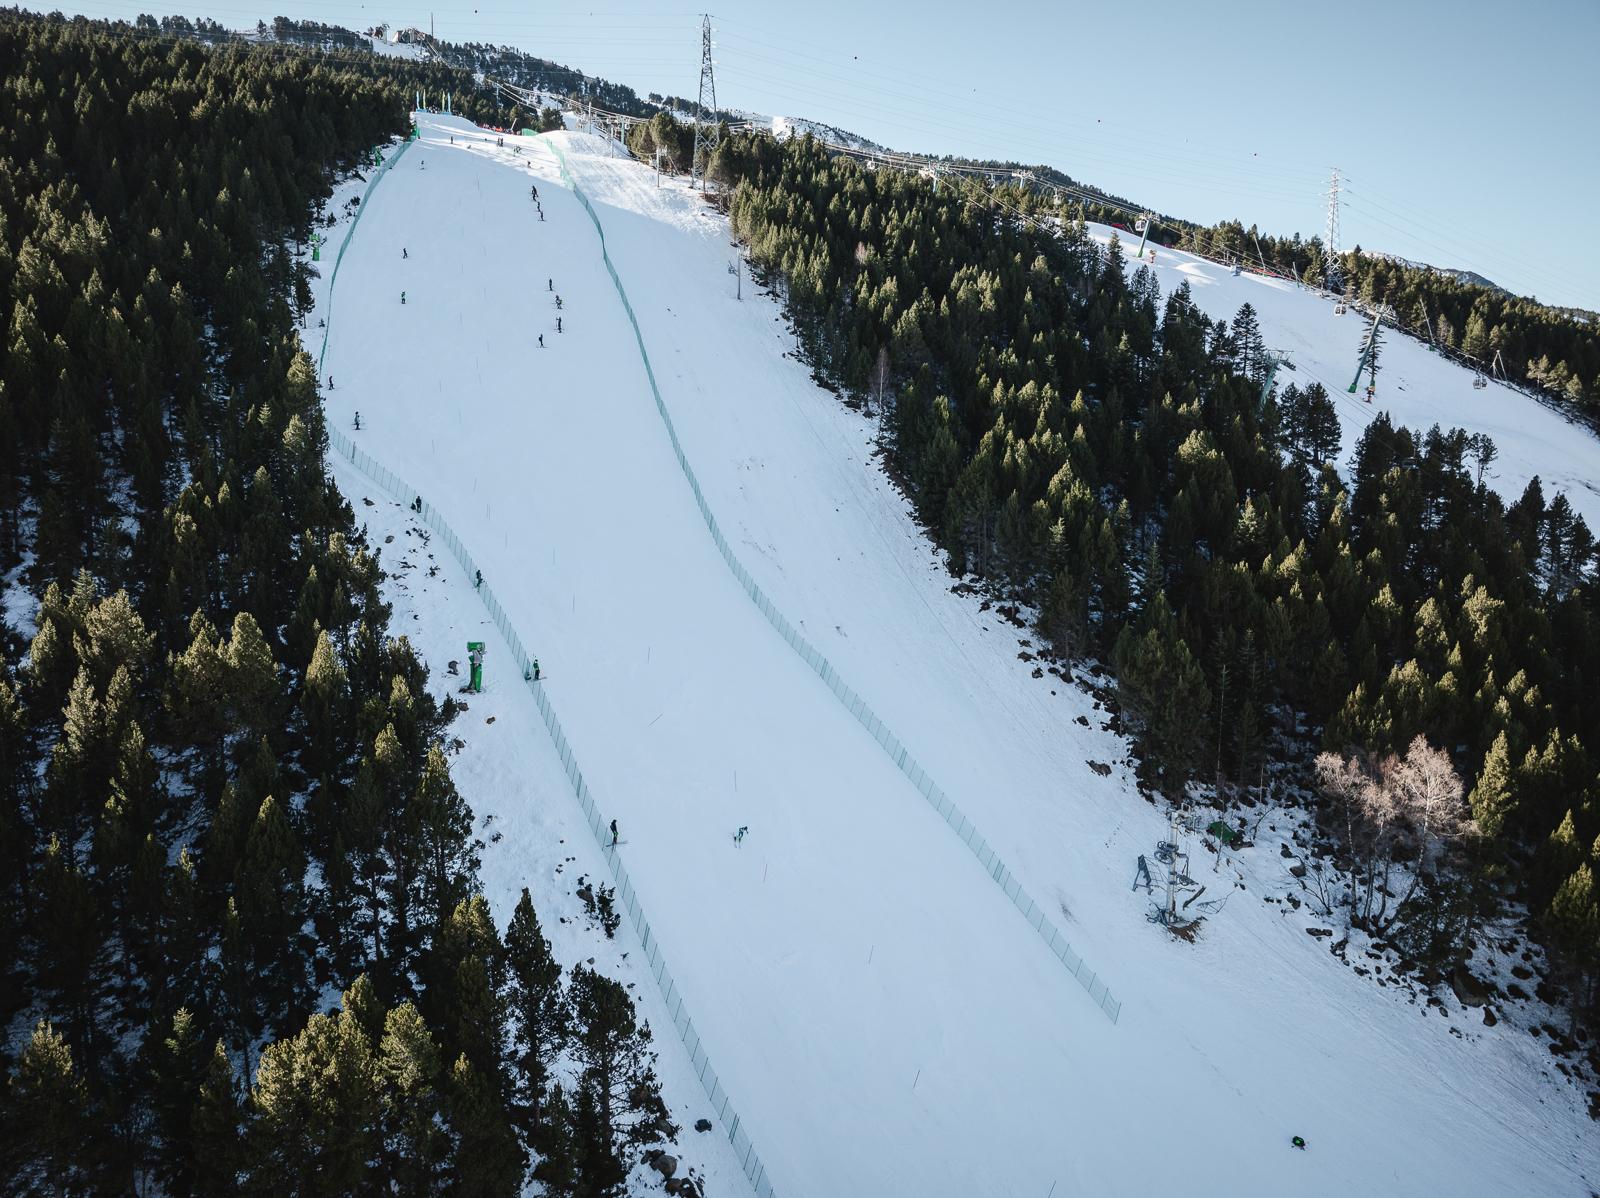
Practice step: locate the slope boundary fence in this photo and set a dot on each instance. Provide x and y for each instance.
(672, 997)
(853, 703)
(377, 176)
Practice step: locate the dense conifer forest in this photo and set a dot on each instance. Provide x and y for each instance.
(242, 940)
(1106, 454)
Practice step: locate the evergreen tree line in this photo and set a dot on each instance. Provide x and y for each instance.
(1108, 455)
(1550, 348)
(224, 796)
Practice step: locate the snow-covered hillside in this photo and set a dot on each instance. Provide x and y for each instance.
(880, 1014)
(790, 126)
(1451, 272)
(392, 47)
(1417, 387)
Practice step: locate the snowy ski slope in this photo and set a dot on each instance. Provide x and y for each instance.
(883, 1019)
(1417, 387)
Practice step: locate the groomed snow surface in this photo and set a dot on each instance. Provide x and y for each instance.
(882, 1017)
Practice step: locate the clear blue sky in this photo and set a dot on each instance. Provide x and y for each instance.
(1469, 131)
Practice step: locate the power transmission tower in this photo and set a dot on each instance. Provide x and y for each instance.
(705, 115)
(1330, 249)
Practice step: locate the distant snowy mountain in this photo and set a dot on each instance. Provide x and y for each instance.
(1463, 276)
(790, 126)
(784, 127)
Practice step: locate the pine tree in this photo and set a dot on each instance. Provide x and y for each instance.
(46, 1147)
(438, 826)
(1163, 687)
(178, 1062)
(618, 1067)
(1493, 800)
(1573, 921)
(487, 1163)
(316, 1110)
(1562, 854)
(197, 697)
(598, 1170)
(271, 903)
(414, 1145)
(325, 704)
(537, 1006)
(557, 1146)
(253, 692)
(215, 1122)
(70, 951)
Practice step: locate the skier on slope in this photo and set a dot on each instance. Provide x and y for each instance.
(358, 422)
(558, 324)
(614, 837)
(541, 340)
(549, 284)
(738, 837)
(402, 297)
(558, 303)
(330, 382)
(403, 253)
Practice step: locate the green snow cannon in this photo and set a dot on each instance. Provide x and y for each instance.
(1222, 832)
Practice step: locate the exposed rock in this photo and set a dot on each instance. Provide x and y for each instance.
(1469, 989)
(1100, 768)
(1489, 1017)
(1298, 870)
(702, 1125)
(666, 1164)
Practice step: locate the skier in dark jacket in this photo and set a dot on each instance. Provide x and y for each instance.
(613, 832)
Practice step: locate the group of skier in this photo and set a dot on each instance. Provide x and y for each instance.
(550, 286)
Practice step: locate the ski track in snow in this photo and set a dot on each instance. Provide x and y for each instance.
(881, 1017)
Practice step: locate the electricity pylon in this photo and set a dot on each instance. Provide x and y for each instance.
(1330, 249)
(705, 115)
